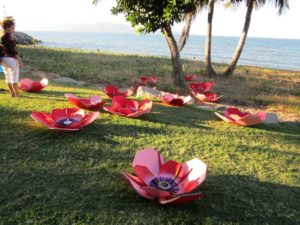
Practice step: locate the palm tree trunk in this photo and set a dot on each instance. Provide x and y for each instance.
(230, 69)
(207, 52)
(185, 31)
(177, 73)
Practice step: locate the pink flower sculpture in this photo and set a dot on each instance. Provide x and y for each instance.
(235, 116)
(175, 100)
(92, 103)
(169, 182)
(206, 96)
(67, 119)
(201, 87)
(29, 85)
(129, 108)
(144, 81)
(190, 77)
(112, 91)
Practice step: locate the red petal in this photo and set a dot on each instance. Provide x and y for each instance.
(170, 168)
(139, 189)
(149, 158)
(181, 198)
(158, 193)
(119, 102)
(143, 173)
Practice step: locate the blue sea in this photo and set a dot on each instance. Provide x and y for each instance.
(265, 52)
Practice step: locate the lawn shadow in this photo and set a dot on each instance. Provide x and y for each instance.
(282, 127)
(177, 116)
(244, 200)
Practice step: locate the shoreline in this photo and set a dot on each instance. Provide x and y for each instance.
(270, 53)
(160, 56)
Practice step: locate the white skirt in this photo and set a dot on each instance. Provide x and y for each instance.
(12, 71)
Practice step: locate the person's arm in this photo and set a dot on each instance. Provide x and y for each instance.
(20, 61)
(3, 64)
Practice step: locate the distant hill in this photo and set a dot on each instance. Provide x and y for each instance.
(96, 27)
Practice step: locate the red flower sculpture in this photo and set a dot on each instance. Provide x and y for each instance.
(29, 85)
(201, 87)
(129, 108)
(175, 100)
(169, 182)
(190, 77)
(112, 91)
(206, 96)
(235, 116)
(201, 91)
(144, 81)
(92, 103)
(67, 119)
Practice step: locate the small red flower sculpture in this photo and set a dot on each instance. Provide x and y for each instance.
(201, 91)
(112, 91)
(169, 182)
(175, 100)
(206, 96)
(201, 87)
(29, 85)
(67, 119)
(129, 108)
(190, 77)
(145, 81)
(235, 116)
(92, 103)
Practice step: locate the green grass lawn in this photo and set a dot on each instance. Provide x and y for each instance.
(50, 177)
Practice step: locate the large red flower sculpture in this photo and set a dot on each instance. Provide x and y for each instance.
(112, 91)
(129, 108)
(169, 182)
(67, 119)
(92, 103)
(235, 116)
(29, 85)
(190, 77)
(145, 81)
(175, 100)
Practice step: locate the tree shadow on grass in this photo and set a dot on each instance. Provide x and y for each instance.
(282, 127)
(177, 116)
(70, 194)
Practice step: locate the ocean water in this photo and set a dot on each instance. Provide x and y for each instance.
(265, 52)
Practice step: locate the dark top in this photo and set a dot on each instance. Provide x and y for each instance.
(9, 43)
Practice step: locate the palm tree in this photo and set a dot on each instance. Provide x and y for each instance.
(185, 31)
(281, 4)
(207, 52)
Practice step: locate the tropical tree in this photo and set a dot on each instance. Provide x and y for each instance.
(207, 51)
(251, 4)
(149, 16)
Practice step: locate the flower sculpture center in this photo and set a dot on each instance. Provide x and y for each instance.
(67, 122)
(164, 183)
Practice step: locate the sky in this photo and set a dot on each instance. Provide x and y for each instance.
(35, 15)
